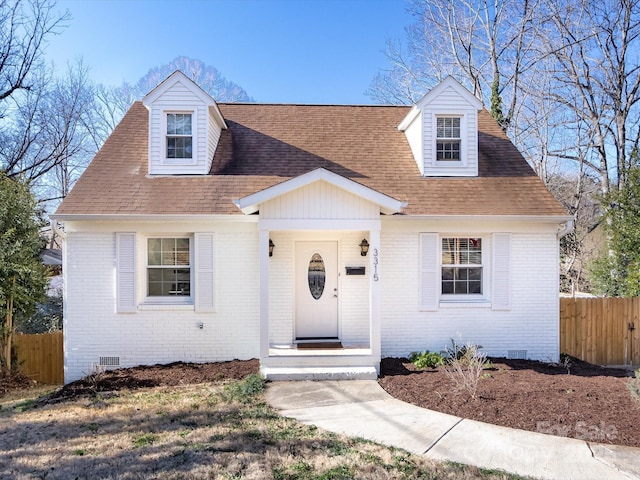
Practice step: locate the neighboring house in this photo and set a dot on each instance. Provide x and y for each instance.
(208, 232)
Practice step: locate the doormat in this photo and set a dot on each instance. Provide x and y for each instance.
(318, 345)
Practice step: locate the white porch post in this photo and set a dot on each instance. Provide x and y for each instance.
(264, 293)
(374, 294)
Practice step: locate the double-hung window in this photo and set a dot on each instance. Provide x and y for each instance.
(462, 266)
(179, 135)
(448, 140)
(169, 268)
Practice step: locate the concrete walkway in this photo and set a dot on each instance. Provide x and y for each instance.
(361, 408)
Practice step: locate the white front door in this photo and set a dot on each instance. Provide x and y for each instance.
(316, 290)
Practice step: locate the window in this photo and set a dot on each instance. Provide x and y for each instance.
(179, 139)
(448, 139)
(168, 267)
(461, 266)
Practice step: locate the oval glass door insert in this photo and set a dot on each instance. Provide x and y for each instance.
(316, 276)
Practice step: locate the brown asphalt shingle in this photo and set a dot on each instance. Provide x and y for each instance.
(268, 144)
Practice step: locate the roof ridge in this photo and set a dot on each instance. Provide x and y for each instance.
(275, 104)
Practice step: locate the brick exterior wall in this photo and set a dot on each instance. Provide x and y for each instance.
(163, 334)
(157, 333)
(531, 324)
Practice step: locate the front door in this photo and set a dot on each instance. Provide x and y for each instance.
(316, 290)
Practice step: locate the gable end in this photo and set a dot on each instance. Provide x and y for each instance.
(184, 127)
(442, 131)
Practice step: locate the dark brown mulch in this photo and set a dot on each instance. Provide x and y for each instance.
(13, 382)
(172, 374)
(588, 402)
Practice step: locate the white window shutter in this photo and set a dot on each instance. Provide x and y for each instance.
(126, 272)
(429, 272)
(204, 272)
(501, 271)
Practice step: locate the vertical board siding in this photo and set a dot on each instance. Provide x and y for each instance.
(41, 357)
(597, 331)
(320, 200)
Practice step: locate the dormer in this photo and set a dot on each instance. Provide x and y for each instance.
(442, 131)
(184, 127)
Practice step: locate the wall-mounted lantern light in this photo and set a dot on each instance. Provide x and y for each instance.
(271, 245)
(364, 247)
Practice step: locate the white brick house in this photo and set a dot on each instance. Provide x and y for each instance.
(208, 232)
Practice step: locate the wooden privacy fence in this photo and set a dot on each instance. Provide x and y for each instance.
(602, 331)
(41, 356)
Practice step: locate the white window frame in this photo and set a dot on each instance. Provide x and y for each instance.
(449, 139)
(485, 265)
(165, 138)
(172, 299)
(462, 163)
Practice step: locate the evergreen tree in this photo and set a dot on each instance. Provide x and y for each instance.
(617, 271)
(22, 274)
(496, 103)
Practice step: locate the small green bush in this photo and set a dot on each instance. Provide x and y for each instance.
(244, 390)
(426, 359)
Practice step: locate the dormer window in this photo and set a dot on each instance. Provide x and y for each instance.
(179, 136)
(448, 139)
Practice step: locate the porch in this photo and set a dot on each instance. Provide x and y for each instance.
(319, 253)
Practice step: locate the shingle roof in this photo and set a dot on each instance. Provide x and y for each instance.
(267, 144)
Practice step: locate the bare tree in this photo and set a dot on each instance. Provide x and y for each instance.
(25, 27)
(113, 102)
(489, 45)
(595, 45)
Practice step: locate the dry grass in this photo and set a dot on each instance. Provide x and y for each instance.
(189, 432)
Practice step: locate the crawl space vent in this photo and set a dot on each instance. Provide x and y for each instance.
(109, 361)
(517, 354)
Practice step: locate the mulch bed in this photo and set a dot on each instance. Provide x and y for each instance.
(172, 374)
(587, 402)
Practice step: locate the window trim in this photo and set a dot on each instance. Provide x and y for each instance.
(485, 266)
(462, 162)
(449, 139)
(165, 138)
(169, 300)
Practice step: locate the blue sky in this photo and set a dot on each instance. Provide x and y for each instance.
(281, 51)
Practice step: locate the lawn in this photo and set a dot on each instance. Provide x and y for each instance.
(219, 429)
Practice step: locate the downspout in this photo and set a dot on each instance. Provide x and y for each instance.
(58, 228)
(565, 228)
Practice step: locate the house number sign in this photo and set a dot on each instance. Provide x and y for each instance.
(375, 265)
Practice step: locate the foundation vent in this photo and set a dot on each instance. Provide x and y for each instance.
(109, 361)
(517, 354)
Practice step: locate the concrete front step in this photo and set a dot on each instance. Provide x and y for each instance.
(318, 373)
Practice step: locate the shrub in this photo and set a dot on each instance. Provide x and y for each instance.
(426, 359)
(246, 389)
(464, 366)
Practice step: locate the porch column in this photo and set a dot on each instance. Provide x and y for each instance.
(263, 253)
(374, 294)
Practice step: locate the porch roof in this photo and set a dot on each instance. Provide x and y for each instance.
(388, 205)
